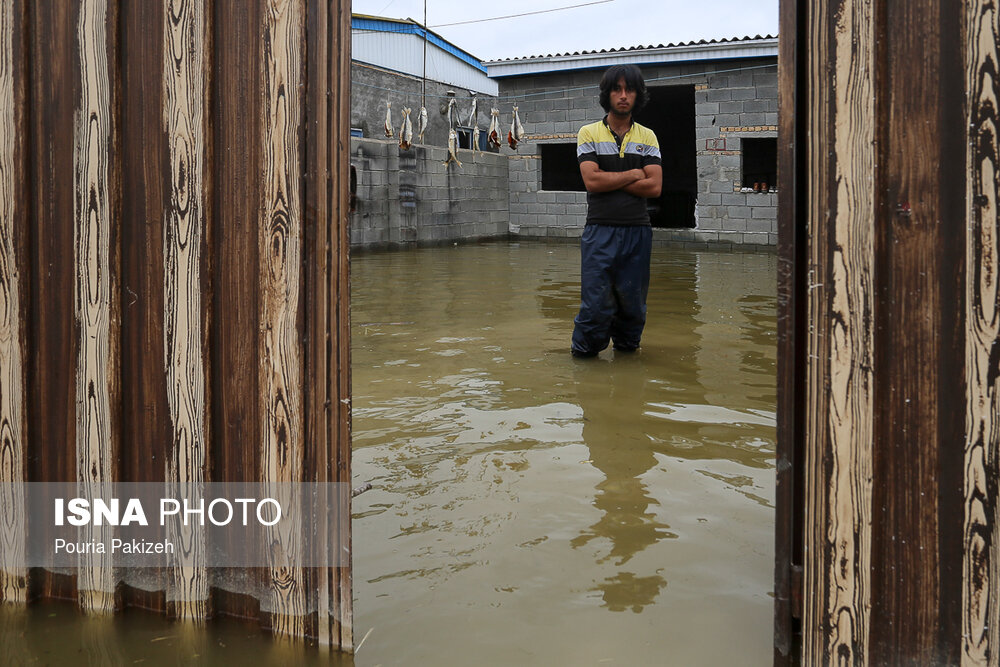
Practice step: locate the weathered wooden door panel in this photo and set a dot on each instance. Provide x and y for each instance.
(920, 389)
(15, 288)
(173, 266)
(888, 235)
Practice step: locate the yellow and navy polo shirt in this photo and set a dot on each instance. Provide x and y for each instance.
(638, 148)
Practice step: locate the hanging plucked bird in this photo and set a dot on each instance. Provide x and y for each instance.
(516, 134)
(474, 124)
(406, 131)
(493, 134)
(421, 124)
(452, 148)
(472, 115)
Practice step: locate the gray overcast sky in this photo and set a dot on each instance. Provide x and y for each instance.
(619, 23)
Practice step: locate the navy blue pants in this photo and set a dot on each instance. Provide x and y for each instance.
(614, 282)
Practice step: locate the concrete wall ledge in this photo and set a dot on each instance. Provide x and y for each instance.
(390, 246)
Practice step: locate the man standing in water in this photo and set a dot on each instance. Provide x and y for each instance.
(620, 164)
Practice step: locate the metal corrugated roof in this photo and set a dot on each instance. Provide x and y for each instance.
(714, 49)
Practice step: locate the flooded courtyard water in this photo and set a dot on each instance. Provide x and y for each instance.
(529, 508)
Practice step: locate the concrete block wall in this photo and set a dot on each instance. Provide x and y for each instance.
(729, 106)
(373, 86)
(537, 213)
(411, 197)
(552, 108)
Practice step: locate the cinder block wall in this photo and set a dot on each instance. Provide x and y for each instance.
(538, 213)
(729, 106)
(373, 86)
(411, 197)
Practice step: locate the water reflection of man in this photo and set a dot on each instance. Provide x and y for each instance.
(620, 164)
(613, 411)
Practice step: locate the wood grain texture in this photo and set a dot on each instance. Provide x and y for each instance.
(981, 562)
(839, 419)
(340, 70)
(891, 287)
(13, 417)
(146, 182)
(792, 296)
(200, 243)
(282, 447)
(234, 365)
(316, 211)
(54, 94)
(906, 588)
(951, 387)
(327, 360)
(817, 555)
(94, 294)
(146, 429)
(920, 349)
(184, 119)
(850, 317)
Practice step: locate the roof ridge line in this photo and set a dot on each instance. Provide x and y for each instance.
(623, 49)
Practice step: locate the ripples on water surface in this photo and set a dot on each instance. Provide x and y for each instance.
(529, 508)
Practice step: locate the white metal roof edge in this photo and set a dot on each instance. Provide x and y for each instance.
(650, 56)
(477, 80)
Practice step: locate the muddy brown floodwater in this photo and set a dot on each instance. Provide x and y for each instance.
(532, 509)
(528, 508)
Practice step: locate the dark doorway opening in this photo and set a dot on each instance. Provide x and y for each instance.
(670, 114)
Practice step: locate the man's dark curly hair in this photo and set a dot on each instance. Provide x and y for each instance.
(633, 81)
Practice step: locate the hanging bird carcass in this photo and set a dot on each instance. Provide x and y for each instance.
(473, 114)
(421, 124)
(452, 148)
(494, 133)
(516, 134)
(406, 131)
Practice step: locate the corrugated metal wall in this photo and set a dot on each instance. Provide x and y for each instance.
(174, 274)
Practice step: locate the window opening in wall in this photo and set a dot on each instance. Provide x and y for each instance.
(560, 170)
(670, 115)
(484, 142)
(464, 137)
(760, 164)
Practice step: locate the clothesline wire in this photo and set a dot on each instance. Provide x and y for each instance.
(514, 16)
(500, 98)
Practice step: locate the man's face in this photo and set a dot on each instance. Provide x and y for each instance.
(622, 98)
